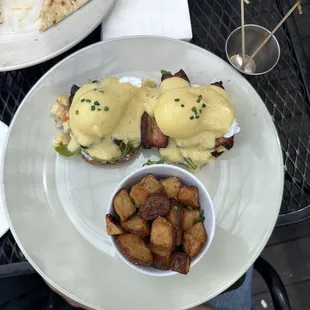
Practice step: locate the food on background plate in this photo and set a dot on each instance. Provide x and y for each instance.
(51, 12)
(158, 231)
(106, 122)
(54, 11)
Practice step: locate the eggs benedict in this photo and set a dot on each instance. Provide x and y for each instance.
(107, 121)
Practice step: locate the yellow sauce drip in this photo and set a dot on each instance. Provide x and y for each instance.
(192, 117)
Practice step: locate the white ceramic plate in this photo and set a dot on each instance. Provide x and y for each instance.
(22, 45)
(4, 225)
(57, 207)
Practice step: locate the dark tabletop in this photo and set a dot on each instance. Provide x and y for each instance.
(285, 91)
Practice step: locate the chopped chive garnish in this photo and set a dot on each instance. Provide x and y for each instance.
(88, 100)
(200, 111)
(194, 109)
(95, 89)
(182, 105)
(99, 109)
(96, 103)
(93, 108)
(176, 99)
(101, 91)
(106, 109)
(77, 112)
(82, 100)
(192, 117)
(197, 116)
(203, 105)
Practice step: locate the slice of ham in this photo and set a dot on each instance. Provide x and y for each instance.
(151, 135)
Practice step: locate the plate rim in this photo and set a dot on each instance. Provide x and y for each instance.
(265, 237)
(63, 49)
(4, 126)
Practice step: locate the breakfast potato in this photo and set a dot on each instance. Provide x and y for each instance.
(150, 184)
(198, 232)
(161, 257)
(138, 194)
(162, 233)
(138, 226)
(189, 217)
(180, 262)
(191, 246)
(171, 186)
(113, 226)
(123, 205)
(189, 196)
(155, 205)
(174, 217)
(194, 239)
(134, 249)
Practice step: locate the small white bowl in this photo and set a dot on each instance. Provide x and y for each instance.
(205, 201)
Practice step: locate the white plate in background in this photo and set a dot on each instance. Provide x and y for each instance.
(22, 45)
(56, 207)
(4, 225)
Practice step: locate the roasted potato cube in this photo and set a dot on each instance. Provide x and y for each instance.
(191, 246)
(198, 232)
(138, 194)
(134, 249)
(136, 225)
(123, 205)
(194, 239)
(150, 184)
(174, 217)
(189, 216)
(155, 205)
(113, 226)
(180, 262)
(171, 186)
(189, 196)
(162, 233)
(161, 257)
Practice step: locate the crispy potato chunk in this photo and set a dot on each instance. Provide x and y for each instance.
(174, 217)
(191, 246)
(123, 205)
(198, 232)
(194, 239)
(161, 257)
(180, 262)
(171, 186)
(148, 185)
(113, 226)
(162, 233)
(134, 249)
(189, 216)
(138, 194)
(136, 225)
(189, 195)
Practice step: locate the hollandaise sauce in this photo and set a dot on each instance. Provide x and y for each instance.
(103, 114)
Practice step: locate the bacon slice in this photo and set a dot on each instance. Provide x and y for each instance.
(219, 84)
(181, 74)
(151, 135)
(228, 143)
(216, 154)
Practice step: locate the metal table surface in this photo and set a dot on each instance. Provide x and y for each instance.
(285, 91)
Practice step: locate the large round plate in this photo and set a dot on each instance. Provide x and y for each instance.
(22, 45)
(57, 207)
